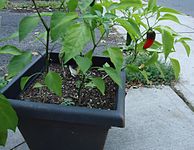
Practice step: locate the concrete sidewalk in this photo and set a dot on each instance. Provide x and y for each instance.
(156, 118)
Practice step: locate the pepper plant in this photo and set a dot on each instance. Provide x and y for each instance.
(76, 23)
(75, 30)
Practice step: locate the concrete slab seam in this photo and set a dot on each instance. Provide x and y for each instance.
(181, 95)
(18, 145)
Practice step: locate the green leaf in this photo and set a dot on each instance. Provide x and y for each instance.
(95, 8)
(9, 49)
(12, 36)
(106, 28)
(152, 4)
(89, 54)
(184, 39)
(72, 5)
(84, 63)
(144, 73)
(54, 82)
(99, 83)
(168, 10)
(135, 26)
(124, 4)
(132, 3)
(47, 14)
(27, 25)
(18, 63)
(139, 21)
(176, 67)
(187, 47)
(101, 29)
(23, 82)
(89, 16)
(106, 54)
(3, 137)
(75, 40)
(115, 76)
(116, 57)
(169, 17)
(3, 3)
(84, 4)
(110, 16)
(153, 59)
(60, 22)
(38, 85)
(130, 26)
(168, 42)
(8, 119)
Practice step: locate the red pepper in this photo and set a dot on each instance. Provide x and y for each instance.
(151, 35)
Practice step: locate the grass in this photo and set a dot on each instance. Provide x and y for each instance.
(154, 75)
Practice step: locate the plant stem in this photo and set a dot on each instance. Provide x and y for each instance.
(47, 51)
(42, 20)
(135, 52)
(147, 20)
(40, 40)
(96, 44)
(62, 5)
(48, 35)
(105, 76)
(80, 88)
(92, 34)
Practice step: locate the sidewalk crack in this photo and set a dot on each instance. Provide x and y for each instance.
(17, 145)
(184, 99)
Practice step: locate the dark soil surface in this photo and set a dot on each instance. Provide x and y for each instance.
(90, 97)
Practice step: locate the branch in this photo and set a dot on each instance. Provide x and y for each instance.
(96, 44)
(42, 20)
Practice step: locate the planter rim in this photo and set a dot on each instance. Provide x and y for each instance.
(73, 114)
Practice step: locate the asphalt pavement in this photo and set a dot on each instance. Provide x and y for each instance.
(185, 6)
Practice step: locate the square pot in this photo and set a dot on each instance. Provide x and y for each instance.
(51, 126)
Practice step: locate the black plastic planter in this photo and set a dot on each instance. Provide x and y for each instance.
(55, 127)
